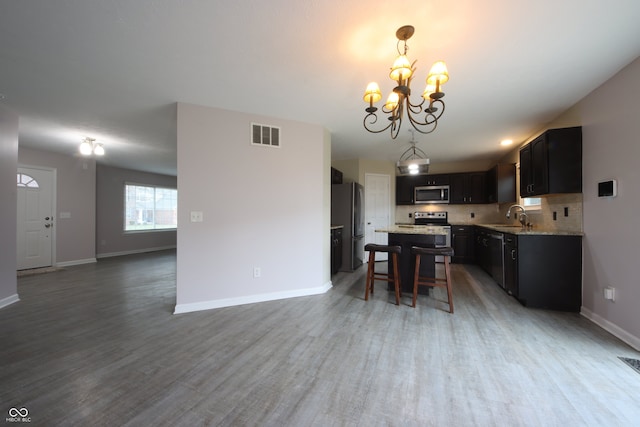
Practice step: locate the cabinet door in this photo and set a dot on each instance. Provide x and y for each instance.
(500, 183)
(404, 190)
(457, 188)
(540, 166)
(463, 243)
(511, 264)
(467, 188)
(525, 171)
(475, 188)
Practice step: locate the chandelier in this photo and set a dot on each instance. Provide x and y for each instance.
(413, 161)
(402, 72)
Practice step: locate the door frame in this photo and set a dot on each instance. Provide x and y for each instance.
(380, 256)
(54, 211)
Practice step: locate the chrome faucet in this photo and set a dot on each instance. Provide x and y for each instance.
(522, 217)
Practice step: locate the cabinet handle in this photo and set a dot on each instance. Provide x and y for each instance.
(513, 254)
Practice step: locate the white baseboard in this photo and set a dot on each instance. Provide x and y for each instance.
(250, 299)
(134, 251)
(75, 262)
(9, 300)
(612, 328)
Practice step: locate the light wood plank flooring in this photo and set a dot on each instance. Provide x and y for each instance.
(98, 345)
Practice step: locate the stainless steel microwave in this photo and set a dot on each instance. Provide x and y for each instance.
(431, 194)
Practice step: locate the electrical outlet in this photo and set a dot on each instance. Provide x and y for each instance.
(256, 272)
(196, 216)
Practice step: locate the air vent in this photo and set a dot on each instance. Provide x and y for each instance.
(267, 136)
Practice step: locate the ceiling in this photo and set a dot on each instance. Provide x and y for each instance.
(113, 70)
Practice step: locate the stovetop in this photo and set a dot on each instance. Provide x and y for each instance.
(431, 218)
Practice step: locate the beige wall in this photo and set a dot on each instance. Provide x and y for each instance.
(611, 149)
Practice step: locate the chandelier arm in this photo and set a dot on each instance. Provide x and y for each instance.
(430, 117)
(374, 119)
(416, 125)
(415, 108)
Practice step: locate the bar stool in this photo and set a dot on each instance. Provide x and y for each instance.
(372, 275)
(418, 280)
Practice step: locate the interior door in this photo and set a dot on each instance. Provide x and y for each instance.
(377, 208)
(35, 218)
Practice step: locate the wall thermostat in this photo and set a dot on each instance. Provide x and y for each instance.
(608, 188)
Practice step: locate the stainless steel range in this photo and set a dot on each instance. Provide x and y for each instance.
(435, 219)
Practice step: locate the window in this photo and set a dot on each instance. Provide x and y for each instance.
(532, 203)
(25, 180)
(150, 208)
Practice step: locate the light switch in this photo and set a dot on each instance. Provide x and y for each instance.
(196, 216)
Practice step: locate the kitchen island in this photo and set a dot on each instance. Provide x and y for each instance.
(407, 236)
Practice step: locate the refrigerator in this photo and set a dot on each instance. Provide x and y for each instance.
(347, 209)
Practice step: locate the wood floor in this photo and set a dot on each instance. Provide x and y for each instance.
(98, 345)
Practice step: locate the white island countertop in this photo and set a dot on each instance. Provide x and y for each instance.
(413, 229)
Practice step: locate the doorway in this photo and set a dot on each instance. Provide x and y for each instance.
(377, 210)
(35, 236)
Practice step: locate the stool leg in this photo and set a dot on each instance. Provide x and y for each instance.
(370, 272)
(396, 277)
(447, 272)
(416, 277)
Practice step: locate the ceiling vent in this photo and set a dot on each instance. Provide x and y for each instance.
(264, 135)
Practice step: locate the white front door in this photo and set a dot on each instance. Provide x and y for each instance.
(35, 218)
(377, 191)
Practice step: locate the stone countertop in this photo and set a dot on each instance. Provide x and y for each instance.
(335, 227)
(412, 229)
(518, 230)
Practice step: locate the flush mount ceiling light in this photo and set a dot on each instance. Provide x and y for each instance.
(413, 161)
(399, 101)
(89, 146)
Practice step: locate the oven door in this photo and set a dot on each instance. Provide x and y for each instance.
(446, 243)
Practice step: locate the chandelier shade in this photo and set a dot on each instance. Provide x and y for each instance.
(372, 94)
(424, 115)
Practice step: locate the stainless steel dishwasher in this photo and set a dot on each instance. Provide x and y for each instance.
(496, 247)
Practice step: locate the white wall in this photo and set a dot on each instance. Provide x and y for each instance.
(611, 150)
(8, 195)
(263, 207)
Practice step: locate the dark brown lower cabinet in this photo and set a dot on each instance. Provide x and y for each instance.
(544, 271)
(463, 243)
(407, 263)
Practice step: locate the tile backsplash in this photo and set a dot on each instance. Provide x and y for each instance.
(541, 218)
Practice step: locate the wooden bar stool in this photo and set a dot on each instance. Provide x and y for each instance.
(418, 280)
(372, 275)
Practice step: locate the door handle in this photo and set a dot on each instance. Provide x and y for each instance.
(46, 219)
(48, 225)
